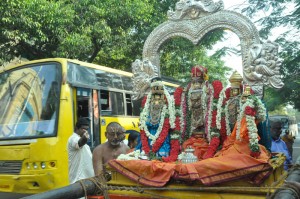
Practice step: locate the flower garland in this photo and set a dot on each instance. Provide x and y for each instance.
(183, 115)
(222, 116)
(175, 147)
(213, 132)
(208, 113)
(252, 109)
(167, 121)
(188, 113)
(175, 135)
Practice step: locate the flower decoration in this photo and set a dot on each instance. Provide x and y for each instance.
(213, 146)
(213, 118)
(253, 109)
(177, 96)
(222, 114)
(218, 87)
(175, 148)
(250, 111)
(167, 122)
(144, 101)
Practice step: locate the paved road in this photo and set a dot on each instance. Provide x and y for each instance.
(11, 195)
(296, 149)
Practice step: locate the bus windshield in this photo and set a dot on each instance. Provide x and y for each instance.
(29, 98)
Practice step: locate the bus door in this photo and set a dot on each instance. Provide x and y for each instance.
(87, 107)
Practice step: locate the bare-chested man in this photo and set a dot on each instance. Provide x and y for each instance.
(111, 149)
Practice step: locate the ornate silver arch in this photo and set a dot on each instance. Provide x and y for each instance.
(192, 19)
(195, 29)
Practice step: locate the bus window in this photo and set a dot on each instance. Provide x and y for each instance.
(29, 101)
(104, 103)
(136, 106)
(128, 104)
(83, 103)
(84, 110)
(112, 103)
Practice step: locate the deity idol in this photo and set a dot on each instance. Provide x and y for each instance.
(233, 102)
(251, 112)
(197, 109)
(157, 120)
(229, 105)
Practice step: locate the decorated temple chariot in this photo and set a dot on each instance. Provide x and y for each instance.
(204, 140)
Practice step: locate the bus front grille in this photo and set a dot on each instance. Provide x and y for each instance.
(10, 167)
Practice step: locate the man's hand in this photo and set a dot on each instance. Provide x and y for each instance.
(86, 134)
(83, 140)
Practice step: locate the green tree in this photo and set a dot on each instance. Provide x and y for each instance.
(107, 32)
(73, 29)
(177, 62)
(289, 20)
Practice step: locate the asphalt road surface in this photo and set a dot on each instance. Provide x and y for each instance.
(296, 148)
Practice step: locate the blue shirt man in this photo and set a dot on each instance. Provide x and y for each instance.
(278, 145)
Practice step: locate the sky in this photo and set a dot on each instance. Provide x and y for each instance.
(232, 40)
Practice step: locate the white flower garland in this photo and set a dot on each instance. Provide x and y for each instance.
(252, 102)
(174, 136)
(261, 110)
(145, 113)
(204, 97)
(252, 130)
(182, 114)
(249, 102)
(208, 114)
(219, 108)
(228, 130)
(134, 155)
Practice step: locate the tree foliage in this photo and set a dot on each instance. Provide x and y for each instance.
(288, 20)
(179, 55)
(107, 32)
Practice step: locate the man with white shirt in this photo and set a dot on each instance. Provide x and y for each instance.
(79, 153)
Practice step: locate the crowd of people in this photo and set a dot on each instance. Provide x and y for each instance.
(215, 121)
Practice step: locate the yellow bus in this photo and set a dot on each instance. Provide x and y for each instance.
(40, 103)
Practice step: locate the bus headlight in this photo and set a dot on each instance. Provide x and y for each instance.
(35, 166)
(43, 165)
(28, 166)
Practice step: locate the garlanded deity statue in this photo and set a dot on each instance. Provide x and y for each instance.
(196, 109)
(196, 97)
(229, 105)
(157, 121)
(233, 104)
(252, 112)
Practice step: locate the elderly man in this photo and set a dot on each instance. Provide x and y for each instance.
(278, 145)
(111, 149)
